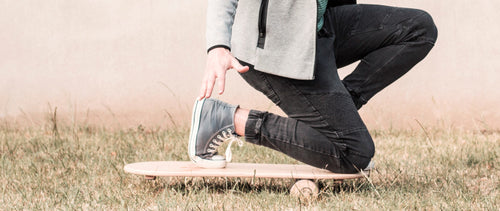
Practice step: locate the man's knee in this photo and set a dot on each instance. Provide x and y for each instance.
(426, 26)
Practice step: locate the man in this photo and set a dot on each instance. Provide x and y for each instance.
(290, 51)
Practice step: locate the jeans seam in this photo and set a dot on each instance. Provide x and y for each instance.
(376, 71)
(315, 110)
(357, 154)
(273, 95)
(304, 147)
(355, 31)
(423, 38)
(349, 131)
(338, 133)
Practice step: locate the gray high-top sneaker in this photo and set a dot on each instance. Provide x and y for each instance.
(212, 124)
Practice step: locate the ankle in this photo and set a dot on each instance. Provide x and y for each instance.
(240, 120)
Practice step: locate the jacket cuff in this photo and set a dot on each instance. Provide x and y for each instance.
(220, 19)
(218, 46)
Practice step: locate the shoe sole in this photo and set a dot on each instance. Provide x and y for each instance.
(195, 125)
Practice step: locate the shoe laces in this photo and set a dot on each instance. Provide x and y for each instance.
(225, 135)
(229, 154)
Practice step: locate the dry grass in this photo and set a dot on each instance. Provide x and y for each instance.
(71, 167)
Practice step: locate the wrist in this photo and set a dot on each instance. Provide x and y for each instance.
(219, 52)
(218, 47)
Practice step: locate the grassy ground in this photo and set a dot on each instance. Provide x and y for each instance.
(73, 168)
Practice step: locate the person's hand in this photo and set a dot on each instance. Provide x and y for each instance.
(219, 60)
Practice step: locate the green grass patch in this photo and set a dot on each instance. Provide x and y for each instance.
(82, 168)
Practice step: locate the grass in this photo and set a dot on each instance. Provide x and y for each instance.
(68, 167)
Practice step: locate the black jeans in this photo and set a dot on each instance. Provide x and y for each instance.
(323, 127)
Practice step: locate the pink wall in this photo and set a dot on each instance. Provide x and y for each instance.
(124, 63)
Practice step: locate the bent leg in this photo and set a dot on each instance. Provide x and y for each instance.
(389, 41)
(323, 127)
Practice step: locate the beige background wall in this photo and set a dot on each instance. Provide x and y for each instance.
(124, 63)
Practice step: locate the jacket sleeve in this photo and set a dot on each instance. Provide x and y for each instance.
(220, 19)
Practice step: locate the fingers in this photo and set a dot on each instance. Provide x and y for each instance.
(218, 63)
(238, 67)
(207, 85)
(221, 81)
(203, 89)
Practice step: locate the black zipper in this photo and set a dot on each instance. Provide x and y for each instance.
(262, 23)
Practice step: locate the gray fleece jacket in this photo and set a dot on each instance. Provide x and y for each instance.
(276, 36)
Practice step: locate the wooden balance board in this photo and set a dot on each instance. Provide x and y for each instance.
(303, 173)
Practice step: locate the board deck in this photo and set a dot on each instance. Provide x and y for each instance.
(248, 170)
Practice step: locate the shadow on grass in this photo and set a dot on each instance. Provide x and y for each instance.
(186, 186)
